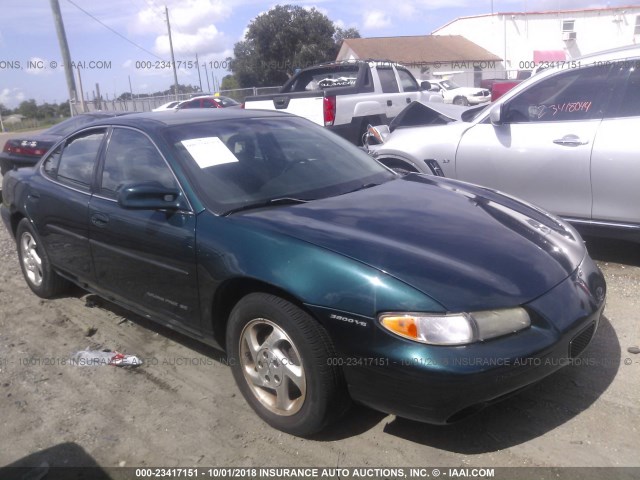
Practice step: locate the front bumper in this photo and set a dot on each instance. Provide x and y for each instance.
(478, 100)
(440, 385)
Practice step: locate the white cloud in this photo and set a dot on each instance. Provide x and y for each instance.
(376, 19)
(186, 16)
(11, 97)
(203, 41)
(38, 66)
(322, 10)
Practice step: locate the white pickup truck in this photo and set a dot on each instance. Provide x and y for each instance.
(347, 96)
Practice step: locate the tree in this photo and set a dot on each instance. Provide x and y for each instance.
(280, 41)
(64, 109)
(229, 82)
(46, 110)
(28, 108)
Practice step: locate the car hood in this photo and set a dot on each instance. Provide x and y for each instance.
(467, 247)
(419, 114)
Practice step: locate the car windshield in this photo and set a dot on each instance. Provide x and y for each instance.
(226, 101)
(449, 84)
(240, 163)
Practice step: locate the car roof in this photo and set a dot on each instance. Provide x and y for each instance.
(620, 53)
(183, 117)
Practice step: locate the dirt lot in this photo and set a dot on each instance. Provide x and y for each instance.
(182, 407)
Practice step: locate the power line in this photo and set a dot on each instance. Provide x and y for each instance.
(112, 30)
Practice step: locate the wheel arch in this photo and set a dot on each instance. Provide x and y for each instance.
(393, 162)
(14, 220)
(229, 293)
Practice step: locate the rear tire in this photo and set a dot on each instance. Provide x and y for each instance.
(280, 359)
(35, 264)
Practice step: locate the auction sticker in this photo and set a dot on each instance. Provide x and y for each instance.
(209, 151)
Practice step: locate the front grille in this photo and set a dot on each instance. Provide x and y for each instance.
(581, 340)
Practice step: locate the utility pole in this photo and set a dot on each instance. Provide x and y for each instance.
(82, 105)
(206, 74)
(199, 77)
(131, 91)
(173, 60)
(64, 49)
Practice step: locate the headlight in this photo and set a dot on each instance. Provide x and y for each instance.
(457, 328)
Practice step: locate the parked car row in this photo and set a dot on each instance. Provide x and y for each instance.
(202, 101)
(347, 96)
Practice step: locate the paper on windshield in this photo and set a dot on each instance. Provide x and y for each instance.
(209, 151)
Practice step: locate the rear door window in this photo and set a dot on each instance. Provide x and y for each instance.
(73, 165)
(388, 80)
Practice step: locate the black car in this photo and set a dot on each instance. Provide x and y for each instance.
(325, 276)
(27, 150)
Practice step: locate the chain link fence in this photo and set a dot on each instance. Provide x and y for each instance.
(146, 104)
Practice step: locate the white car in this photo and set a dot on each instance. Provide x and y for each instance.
(166, 106)
(565, 139)
(454, 93)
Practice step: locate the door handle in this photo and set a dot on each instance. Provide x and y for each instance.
(389, 103)
(570, 141)
(99, 220)
(408, 100)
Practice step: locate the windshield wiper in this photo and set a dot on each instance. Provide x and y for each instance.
(364, 187)
(266, 203)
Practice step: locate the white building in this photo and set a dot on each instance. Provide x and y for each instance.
(524, 39)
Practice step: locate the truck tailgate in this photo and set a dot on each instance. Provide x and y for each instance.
(309, 107)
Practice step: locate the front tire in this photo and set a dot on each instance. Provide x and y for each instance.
(461, 101)
(280, 359)
(35, 264)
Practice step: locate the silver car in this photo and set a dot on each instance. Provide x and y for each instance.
(567, 139)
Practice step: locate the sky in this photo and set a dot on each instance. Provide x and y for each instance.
(123, 42)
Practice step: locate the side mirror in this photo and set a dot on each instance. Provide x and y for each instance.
(496, 115)
(376, 135)
(149, 196)
(425, 85)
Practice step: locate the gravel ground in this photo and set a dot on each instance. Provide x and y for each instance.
(182, 407)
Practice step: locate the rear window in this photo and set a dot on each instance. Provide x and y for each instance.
(326, 78)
